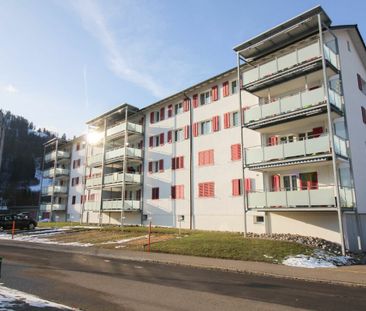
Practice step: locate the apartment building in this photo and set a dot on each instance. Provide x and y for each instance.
(62, 185)
(275, 145)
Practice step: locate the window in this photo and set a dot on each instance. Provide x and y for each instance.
(178, 108)
(206, 190)
(361, 84)
(235, 152)
(225, 89)
(77, 147)
(206, 157)
(155, 193)
(74, 181)
(170, 111)
(205, 98)
(206, 127)
(234, 87)
(156, 166)
(308, 181)
(155, 141)
(154, 116)
(215, 93)
(76, 163)
(177, 192)
(177, 163)
(231, 119)
(73, 200)
(178, 135)
(363, 110)
(258, 219)
(348, 46)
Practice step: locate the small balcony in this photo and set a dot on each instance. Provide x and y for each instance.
(255, 157)
(116, 205)
(93, 206)
(120, 152)
(95, 159)
(121, 127)
(113, 178)
(60, 155)
(56, 172)
(322, 198)
(289, 65)
(55, 207)
(293, 106)
(93, 181)
(55, 189)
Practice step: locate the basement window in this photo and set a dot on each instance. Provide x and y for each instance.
(259, 219)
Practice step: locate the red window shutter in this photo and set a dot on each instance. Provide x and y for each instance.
(273, 141)
(200, 189)
(235, 152)
(215, 123)
(169, 137)
(225, 89)
(186, 103)
(227, 120)
(235, 187)
(151, 141)
(150, 167)
(211, 189)
(152, 117)
(174, 192)
(276, 182)
(173, 163)
(195, 129)
(248, 184)
(170, 111)
(200, 158)
(215, 93)
(317, 131)
(359, 81)
(181, 192)
(195, 101)
(161, 165)
(186, 132)
(210, 157)
(363, 114)
(161, 139)
(181, 162)
(162, 114)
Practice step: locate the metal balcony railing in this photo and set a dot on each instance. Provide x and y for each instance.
(55, 207)
(60, 154)
(56, 189)
(121, 127)
(130, 205)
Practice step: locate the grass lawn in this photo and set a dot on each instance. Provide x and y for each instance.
(195, 243)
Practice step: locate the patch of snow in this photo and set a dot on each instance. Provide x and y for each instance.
(12, 298)
(319, 259)
(38, 236)
(125, 240)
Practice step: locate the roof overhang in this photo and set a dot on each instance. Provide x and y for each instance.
(297, 28)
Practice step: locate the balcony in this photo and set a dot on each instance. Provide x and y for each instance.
(288, 64)
(116, 205)
(95, 159)
(50, 208)
(304, 199)
(118, 178)
(121, 127)
(120, 152)
(55, 189)
(60, 155)
(317, 146)
(93, 181)
(56, 172)
(284, 108)
(93, 206)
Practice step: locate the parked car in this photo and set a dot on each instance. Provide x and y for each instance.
(22, 221)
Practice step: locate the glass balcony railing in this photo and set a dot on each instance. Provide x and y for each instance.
(130, 205)
(95, 159)
(301, 148)
(55, 207)
(284, 105)
(60, 154)
(118, 177)
(57, 189)
(311, 198)
(120, 152)
(55, 172)
(93, 181)
(121, 127)
(92, 206)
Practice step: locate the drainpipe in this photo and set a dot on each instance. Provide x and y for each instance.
(242, 145)
(331, 136)
(124, 168)
(102, 173)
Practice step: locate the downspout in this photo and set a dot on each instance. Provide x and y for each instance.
(143, 169)
(124, 167)
(53, 179)
(41, 181)
(84, 178)
(102, 173)
(242, 146)
(331, 136)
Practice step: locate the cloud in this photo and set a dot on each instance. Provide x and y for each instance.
(9, 88)
(126, 56)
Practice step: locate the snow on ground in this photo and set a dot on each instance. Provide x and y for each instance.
(39, 236)
(319, 259)
(126, 240)
(12, 299)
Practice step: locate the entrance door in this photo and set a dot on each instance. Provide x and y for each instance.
(308, 181)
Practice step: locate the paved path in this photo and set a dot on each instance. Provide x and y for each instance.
(106, 282)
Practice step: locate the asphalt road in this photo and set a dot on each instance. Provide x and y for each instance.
(96, 283)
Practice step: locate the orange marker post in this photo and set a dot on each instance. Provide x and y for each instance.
(13, 230)
(148, 249)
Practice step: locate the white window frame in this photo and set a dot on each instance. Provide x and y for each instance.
(233, 90)
(178, 108)
(205, 125)
(178, 135)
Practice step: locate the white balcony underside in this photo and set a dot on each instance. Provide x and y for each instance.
(315, 198)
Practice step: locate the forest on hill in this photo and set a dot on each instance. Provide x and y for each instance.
(21, 160)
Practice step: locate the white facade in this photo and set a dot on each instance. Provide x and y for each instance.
(294, 144)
